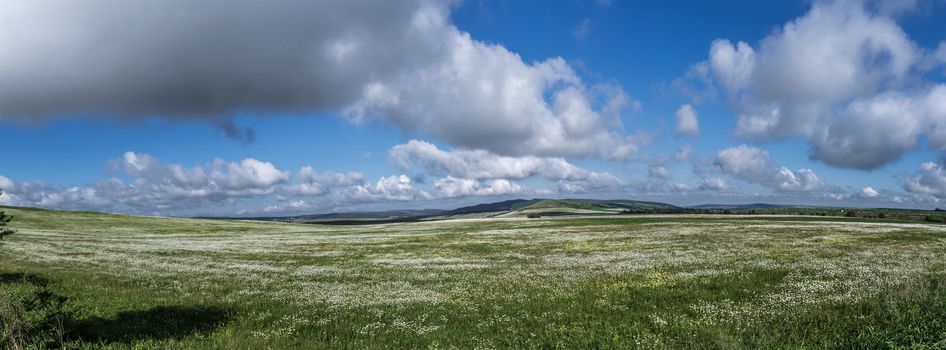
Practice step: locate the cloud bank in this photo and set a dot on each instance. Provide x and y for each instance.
(478, 164)
(755, 165)
(843, 76)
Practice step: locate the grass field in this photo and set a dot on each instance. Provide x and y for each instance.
(617, 282)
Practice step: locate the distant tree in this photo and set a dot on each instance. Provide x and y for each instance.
(851, 214)
(882, 216)
(4, 222)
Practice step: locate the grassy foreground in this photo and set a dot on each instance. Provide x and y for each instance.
(622, 282)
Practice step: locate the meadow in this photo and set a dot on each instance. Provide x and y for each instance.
(694, 281)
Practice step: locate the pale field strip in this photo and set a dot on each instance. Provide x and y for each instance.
(448, 261)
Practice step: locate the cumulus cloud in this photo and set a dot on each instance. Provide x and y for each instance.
(154, 186)
(450, 187)
(392, 188)
(157, 187)
(220, 179)
(755, 165)
(478, 164)
(680, 187)
(842, 76)
(313, 183)
(869, 192)
(485, 97)
(144, 184)
(711, 184)
(41, 194)
(594, 182)
(402, 61)
(929, 179)
(292, 205)
(659, 171)
(687, 122)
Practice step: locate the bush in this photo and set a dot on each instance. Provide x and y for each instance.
(4, 221)
(31, 315)
(851, 214)
(533, 215)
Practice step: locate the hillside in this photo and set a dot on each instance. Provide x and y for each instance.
(559, 207)
(509, 205)
(747, 206)
(138, 282)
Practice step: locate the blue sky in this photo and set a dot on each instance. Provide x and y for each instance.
(243, 108)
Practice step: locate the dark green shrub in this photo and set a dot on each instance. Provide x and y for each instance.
(4, 222)
(31, 316)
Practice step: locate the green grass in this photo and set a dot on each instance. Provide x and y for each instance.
(610, 282)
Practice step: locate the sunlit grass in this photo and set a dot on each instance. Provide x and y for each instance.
(654, 281)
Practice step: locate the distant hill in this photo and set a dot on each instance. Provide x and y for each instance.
(371, 214)
(518, 207)
(747, 206)
(508, 208)
(368, 216)
(497, 206)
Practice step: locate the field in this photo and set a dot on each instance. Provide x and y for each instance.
(608, 282)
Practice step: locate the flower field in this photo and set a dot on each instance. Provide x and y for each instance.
(623, 281)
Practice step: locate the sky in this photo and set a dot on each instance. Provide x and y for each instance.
(248, 108)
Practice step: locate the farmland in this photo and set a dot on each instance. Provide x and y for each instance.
(638, 281)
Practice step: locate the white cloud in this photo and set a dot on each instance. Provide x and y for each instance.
(467, 164)
(869, 192)
(155, 186)
(755, 165)
(392, 188)
(450, 187)
(714, 184)
(659, 171)
(680, 187)
(687, 122)
(41, 194)
(929, 179)
(312, 183)
(221, 179)
(842, 76)
(5, 182)
(247, 174)
(731, 64)
(485, 97)
(593, 182)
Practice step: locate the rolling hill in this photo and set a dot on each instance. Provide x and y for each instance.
(551, 207)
